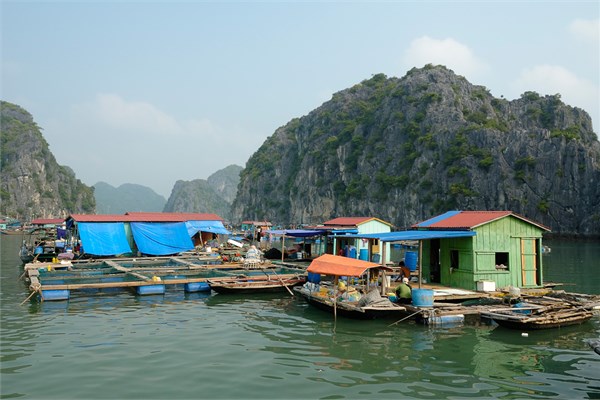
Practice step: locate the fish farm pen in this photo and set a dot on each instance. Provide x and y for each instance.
(56, 280)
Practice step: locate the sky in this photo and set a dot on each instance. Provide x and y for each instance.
(152, 92)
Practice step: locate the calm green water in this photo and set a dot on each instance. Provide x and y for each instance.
(177, 346)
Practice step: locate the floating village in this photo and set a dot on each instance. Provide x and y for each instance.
(458, 267)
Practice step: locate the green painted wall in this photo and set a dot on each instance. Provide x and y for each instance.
(514, 241)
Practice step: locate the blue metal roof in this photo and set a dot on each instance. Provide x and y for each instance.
(440, 217)
(297, 232)
(414, 235)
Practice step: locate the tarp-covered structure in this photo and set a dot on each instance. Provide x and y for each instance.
(217, 227)
(103, 239)
(160, 239)
(148, 233)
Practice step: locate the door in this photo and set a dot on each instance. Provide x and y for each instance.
(529, 262)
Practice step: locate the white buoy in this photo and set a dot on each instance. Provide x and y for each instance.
(525, 334)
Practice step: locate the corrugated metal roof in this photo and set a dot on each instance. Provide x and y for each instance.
(174, 216)
(48, 221)
(469, 219)
(352, 221)
(400, 236)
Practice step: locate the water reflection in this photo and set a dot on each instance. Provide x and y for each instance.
(190, 345)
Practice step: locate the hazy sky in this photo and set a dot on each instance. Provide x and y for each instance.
(151, 92)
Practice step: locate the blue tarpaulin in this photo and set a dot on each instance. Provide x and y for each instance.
(439, 218)
(103, 238)
(206, 226)
(161, 239)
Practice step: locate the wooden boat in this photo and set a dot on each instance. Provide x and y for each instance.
(269, 284)
(535, 317)
(327, 297)
(41, 245)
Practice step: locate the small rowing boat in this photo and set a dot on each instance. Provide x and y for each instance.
(534, 317)
(270, 284)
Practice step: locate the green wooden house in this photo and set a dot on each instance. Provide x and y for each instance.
(506, 250)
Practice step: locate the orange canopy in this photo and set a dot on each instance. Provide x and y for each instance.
(328, 264)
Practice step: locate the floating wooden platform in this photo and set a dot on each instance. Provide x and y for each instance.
(55, 281)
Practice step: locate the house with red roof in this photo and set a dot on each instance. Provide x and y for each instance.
(143, 233)
(505, 250)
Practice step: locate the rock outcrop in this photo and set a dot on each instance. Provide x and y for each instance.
(406, 149)
(33, 184)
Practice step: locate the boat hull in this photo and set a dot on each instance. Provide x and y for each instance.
(542, 324)
(538, 319)
(255, 286)
(350, 310)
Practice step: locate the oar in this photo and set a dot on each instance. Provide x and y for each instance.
(280, 280)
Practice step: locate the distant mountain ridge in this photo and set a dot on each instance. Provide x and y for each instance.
(213, 195)
(127, 197)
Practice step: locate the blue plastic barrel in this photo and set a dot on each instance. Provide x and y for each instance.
(196, 287)
(456, 319)
(314, 278)
(410, 260)
(151, 289)
(422, 297)
(352, 252)
(60, 294)
(363, 254)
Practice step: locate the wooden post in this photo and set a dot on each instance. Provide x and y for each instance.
(335, 298)
(420, 266)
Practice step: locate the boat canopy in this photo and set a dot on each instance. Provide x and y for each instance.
(103, 239)
(297, 232)
(217, 227)
(415, 235)
(160, 239)
(328, 264)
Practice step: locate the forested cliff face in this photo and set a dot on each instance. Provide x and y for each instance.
(406, 149)
(33, 184)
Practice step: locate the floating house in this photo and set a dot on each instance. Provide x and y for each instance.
(346, 232)
(475, 250)
(141, 233)
(48, 222)
(255, 230)
(505, 250)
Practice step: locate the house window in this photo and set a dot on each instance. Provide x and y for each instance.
(454, 259)
(502, 261)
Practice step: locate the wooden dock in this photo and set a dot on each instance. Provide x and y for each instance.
(55, 281)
